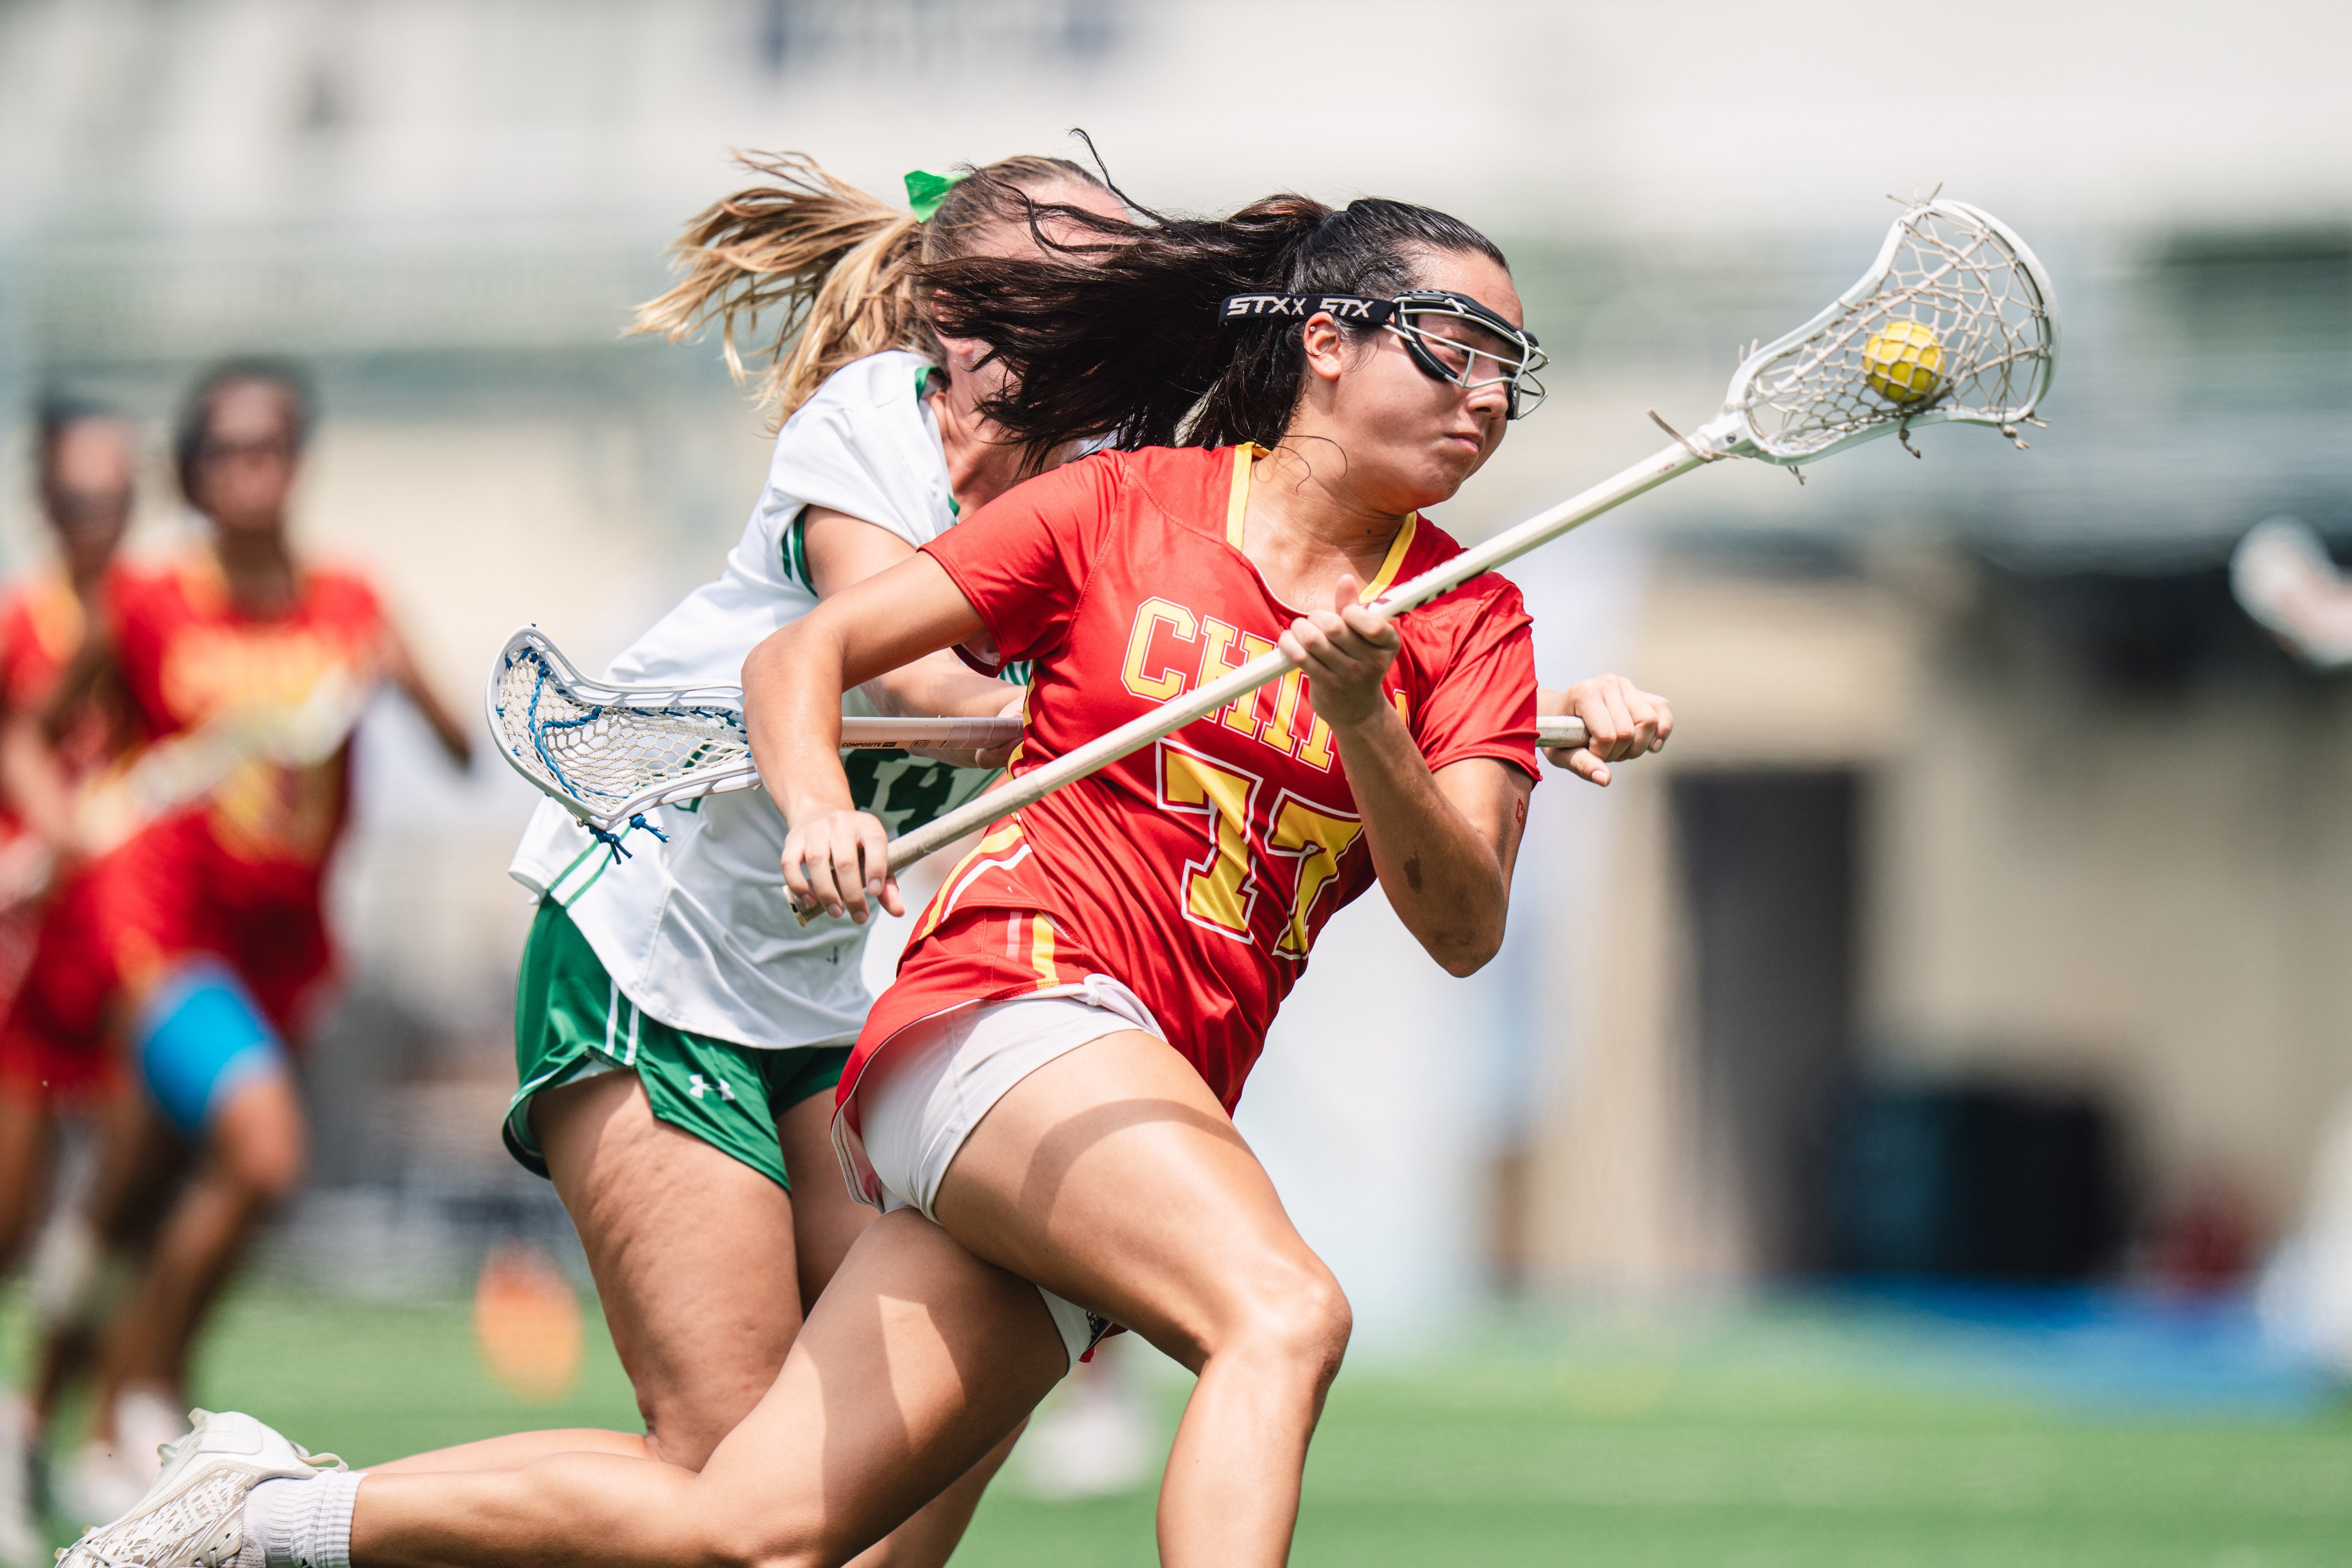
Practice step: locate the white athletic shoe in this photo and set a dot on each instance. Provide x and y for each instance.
(194, 1514)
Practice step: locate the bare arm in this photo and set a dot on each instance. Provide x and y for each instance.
(834, 855)
(35, 781)
(1443, 843)
(400, 665)
(93, 662)
(842, 551)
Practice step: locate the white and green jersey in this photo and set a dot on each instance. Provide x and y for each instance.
(693, 925)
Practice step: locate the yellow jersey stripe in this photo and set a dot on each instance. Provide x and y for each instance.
(1041, 952)
(1238, 505)
(1395, 561)
(1003, 837)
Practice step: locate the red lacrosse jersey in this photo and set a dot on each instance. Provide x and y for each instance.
(187, 654)
(1197, 870)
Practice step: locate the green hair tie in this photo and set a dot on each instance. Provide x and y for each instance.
(925, 192)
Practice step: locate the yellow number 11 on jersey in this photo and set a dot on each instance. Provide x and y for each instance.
(1218, 891)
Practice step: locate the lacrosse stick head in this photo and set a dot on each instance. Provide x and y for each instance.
(606, 753)
(1955, 322)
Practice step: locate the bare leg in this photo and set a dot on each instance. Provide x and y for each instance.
(139, 1160)
(931, 1536)
(1110, 1175)
(695, 1262)
(253, 1161)
(828, 1221)
(701, 1264)
(23, 1173)
(917, 1361)
(516, 1449)
(825, 1219)
(1113, 1177)
(693, 1255)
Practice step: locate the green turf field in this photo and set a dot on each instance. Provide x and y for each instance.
(1804, 1436)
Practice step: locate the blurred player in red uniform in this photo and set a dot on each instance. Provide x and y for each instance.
(53, 975)
(213, 913)
(87, 467)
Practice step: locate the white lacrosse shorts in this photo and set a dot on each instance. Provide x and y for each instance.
(925, 1091)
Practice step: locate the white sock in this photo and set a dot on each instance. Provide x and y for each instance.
(300, 1523)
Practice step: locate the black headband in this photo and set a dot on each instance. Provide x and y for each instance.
(1353, 309)
(1344, 308)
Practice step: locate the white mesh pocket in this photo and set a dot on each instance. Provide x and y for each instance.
(606, 753)
(1954, 322)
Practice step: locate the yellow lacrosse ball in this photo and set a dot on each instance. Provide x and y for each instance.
(1904, 361)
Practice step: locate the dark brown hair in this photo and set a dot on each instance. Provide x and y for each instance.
(1122, 341)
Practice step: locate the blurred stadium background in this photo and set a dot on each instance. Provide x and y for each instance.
(1891, 1095)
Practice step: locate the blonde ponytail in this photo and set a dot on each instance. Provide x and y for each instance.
(829, 265)
(832, 268)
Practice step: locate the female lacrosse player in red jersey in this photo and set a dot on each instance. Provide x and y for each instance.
(1043, 1099)
(1049, 1082)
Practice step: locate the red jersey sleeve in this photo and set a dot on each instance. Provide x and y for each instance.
(1484, 700)
(1023, 560)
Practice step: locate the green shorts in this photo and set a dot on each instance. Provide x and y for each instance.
(572, 1022)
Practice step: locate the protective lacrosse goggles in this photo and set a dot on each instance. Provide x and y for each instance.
(1450, 337)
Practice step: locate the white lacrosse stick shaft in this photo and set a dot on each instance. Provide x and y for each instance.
(989, 734)
(928, 734)
(1717, 438)
(637, 724)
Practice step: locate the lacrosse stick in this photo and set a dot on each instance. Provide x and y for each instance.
(188, 767)
(1954, 321)
(610, 754)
